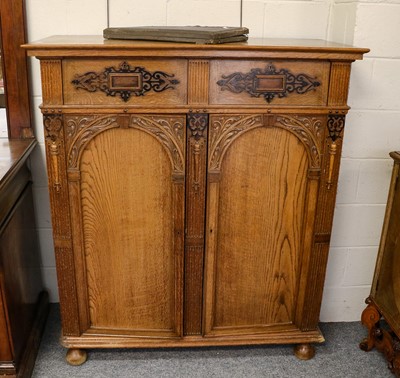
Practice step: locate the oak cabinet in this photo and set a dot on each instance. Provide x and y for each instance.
(192, 188)
(384, 300)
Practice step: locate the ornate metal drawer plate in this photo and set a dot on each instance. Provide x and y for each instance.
(268, 83)
(125, 81)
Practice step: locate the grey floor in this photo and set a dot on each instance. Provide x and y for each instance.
(338, 357)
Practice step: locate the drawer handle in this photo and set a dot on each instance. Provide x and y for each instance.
(125, 81)
(268, 83)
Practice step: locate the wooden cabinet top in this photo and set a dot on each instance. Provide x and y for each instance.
(64, 46)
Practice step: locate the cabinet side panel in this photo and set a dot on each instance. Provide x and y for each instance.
(127, 210)
(260, 215)
(386, 289)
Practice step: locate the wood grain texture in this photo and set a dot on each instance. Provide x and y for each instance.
(196, 168)
(60, 213)
(20, 276)
(198, 82)
(52, 86)
(6, 350)
(259, 232)
(221, 95)
(15, 69)
(340, 80)
(13, 154)
(265, 48)
(137, 280)
(327, 197)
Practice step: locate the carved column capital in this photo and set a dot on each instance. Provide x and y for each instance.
(335, 126)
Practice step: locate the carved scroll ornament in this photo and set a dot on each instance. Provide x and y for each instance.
(268, 83)
(335, 126)
(309, 131)
(166, 129)
(125, 81)
(86, 129)
(169, 130)
(224, 130)
(197, 124)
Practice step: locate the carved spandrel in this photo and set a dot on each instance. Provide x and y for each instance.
(125, 81)
(169, 130)
(53, 128)
(86, 128)
(309, 130)
(224, 130)
(74, 124)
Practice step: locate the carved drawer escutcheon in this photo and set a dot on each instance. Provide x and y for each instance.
(269, 82)
(125, 81)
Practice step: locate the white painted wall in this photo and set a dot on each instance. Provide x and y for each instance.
(372, 128)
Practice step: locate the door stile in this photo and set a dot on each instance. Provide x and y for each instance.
(178, 193)
(196, 168)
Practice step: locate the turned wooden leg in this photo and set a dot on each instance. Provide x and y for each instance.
(76, 356)
(370, 318)
(304, 351)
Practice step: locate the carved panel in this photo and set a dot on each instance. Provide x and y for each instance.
(224, 130)
(268, 82)
(169, 130)
(125, 81)
(309, 130)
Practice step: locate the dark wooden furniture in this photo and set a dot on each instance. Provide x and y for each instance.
(384, 300)
(192, 188)
(23, 304)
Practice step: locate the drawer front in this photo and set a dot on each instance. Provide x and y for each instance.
(260, 82)
(125, 82)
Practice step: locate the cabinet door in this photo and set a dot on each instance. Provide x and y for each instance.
(127, 216)
(263, 175)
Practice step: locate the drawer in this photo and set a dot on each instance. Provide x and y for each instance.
(261, 82)
(125, 82)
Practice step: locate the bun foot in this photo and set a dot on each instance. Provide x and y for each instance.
(76, 357)
(304, 351)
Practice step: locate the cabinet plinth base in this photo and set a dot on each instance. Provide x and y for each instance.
(96, 340)
(385, 341)
(76, 356)
(304, 351)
